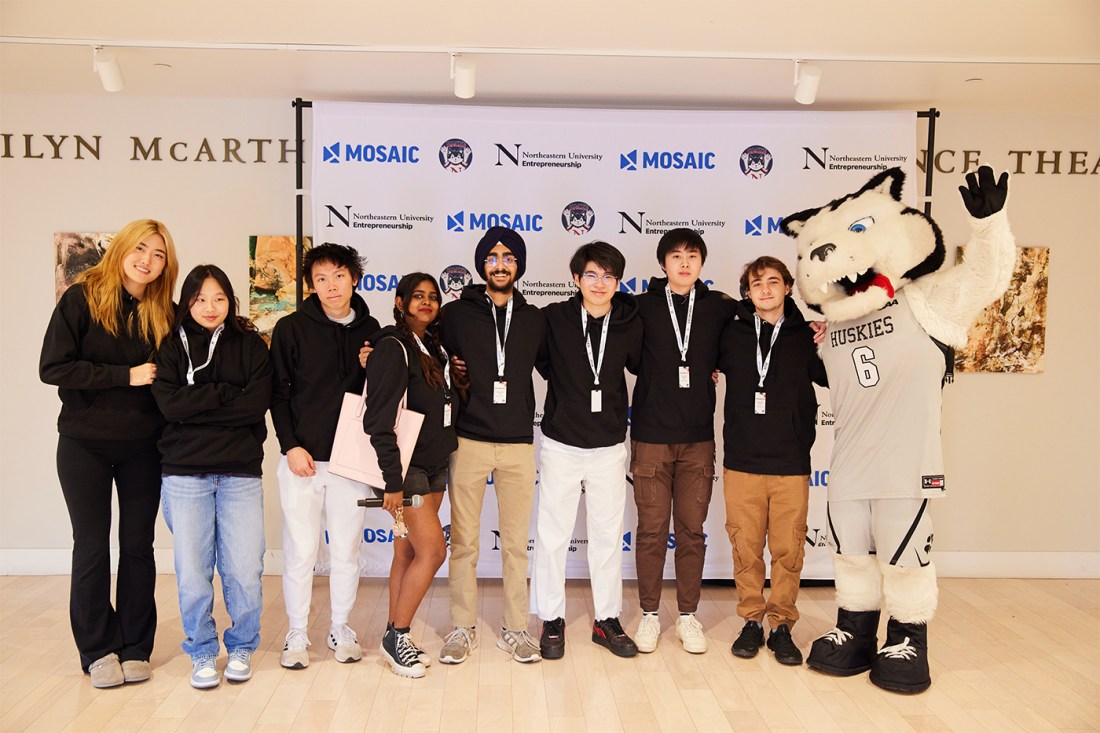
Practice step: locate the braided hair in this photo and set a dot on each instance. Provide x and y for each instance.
(431, 365)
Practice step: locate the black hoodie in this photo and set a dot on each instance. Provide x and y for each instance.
(467, 331)
(315, 361)
(563, 362)
(91, 369)
(778, 442)
(662, 412)
(215, 425)
(389, 373)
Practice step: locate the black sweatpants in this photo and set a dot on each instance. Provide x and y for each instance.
(87, 469)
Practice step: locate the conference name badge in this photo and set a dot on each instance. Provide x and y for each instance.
(597, 400)
(761, 403)
(685, 376)
(447, 415)
(500, 392)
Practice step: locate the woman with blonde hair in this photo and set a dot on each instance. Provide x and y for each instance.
(98, 350)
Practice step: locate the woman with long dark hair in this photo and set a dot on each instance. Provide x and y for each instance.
(214, 387)
(409, 356)
(98, 350)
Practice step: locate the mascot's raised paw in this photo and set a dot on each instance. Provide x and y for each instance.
(982, 195)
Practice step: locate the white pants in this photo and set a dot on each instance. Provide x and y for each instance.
(302, 500)
(602, 474)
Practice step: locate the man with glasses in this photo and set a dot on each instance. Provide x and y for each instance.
(497, 333)
(590, 339)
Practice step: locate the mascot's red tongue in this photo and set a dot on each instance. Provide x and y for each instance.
(880, 281)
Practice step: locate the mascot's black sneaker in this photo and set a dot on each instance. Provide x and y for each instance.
(902, 663)
(849, 648)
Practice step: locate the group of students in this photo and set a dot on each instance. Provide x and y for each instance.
(169, 405)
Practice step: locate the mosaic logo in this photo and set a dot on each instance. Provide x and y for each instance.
(369, 153)
(760, 224)
(668, 160)
(472, 221)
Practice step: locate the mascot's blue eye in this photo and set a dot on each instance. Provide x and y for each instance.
(862, 225)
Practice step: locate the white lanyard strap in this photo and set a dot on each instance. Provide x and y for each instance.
(496, 333)
(595, 364)
(762, 364)
(209, 354)
(681, 341)
(446, 361)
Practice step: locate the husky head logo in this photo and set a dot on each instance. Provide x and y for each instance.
(455, 155)
(452, 280)
(578, 218)
(756, 161)
(853, 253)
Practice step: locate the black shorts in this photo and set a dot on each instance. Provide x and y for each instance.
(422, 481)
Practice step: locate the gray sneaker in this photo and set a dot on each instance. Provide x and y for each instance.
(520, 645)
(345, 644)
(458, 644)
(295, 655)
(204, 673)
(239, 666)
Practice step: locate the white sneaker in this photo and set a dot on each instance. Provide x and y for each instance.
(690, 632)
(295, 655)
(649, 631)
(343, 641)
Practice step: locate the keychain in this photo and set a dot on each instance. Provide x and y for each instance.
(400, 529)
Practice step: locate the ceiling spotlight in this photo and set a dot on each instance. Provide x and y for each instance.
(806, 79)
(463, 71)
(105, 63)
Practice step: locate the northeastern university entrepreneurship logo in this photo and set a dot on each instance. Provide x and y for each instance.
(756, 161)
(455, 155)
(578, 218)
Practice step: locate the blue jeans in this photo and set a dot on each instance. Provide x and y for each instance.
(217, 519)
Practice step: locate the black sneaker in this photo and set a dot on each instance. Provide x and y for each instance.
(849, 648)
(749, 641)
(902, 663)
(609, 633)
(781, 644)
(552, 641)
(401, 654)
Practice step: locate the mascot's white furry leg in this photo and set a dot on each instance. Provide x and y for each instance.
(910, 596)
(851, 646)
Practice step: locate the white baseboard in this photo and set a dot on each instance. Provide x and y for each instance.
(948, 564)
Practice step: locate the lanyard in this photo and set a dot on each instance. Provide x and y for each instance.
(446, 362)
(209, 354)
(595, 364)
(496, 332)
(681, 341)
(763, 364)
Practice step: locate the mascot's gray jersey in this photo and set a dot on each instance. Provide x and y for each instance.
(885, 375)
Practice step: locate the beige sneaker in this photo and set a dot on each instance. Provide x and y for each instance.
(520, 645)
(458, 644)
(136, 670)
(649, 631)
(690, 632)
(295, 655)
(106, 672)
(345, 644)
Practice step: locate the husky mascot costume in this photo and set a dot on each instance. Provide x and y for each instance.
(875, 268)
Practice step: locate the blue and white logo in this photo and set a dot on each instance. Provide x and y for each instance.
(760, 225)
(473, 221)
(358, 153)
(668, 160)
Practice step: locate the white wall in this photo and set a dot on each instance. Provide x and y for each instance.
(1022, 451)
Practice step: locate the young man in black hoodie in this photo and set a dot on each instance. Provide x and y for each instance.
(672, 431)
(497, 333)
(315, 356)
(771, 363)
(590, 339)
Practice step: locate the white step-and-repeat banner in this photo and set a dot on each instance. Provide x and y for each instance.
(414, 187)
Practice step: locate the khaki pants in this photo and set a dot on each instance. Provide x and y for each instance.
(762, 507)
(513, 469)
(671, 481)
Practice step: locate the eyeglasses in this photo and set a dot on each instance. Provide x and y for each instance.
(494, 260)
(591, 278)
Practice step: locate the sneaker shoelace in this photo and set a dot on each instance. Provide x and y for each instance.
(240, 656)
(459, 635)
(407, 653)
(554, 628)
(344, 635)
(520, 638)
(838, 636)
(904, 650)
(690, 626)
(614, 628)
(296, 639)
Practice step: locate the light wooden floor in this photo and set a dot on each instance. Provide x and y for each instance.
(1007, 655)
